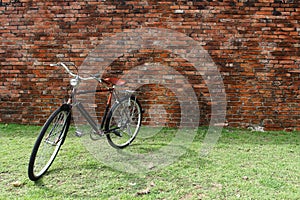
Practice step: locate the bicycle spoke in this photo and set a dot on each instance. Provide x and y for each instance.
(126, 115)
(48, 143)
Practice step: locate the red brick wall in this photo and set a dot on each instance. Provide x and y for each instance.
(254, 43)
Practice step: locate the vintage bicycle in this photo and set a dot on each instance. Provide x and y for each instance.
(120, 122)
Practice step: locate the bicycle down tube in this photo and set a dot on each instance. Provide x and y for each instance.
(85, 113)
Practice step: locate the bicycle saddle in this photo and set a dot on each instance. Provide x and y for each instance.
(114, 81)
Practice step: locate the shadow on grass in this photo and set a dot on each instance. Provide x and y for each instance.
(94, 180)
(55, 191)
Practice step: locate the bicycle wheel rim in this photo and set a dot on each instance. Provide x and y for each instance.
(49, 142)
(125, 119)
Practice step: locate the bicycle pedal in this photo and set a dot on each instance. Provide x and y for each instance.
(79, 133)
(117, 133)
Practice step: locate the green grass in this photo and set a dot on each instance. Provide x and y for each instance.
(243, 165)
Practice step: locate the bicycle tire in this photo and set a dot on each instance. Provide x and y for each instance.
(123, 128)
(52, 136)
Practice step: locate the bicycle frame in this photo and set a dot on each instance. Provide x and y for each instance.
(120, 123)
(74, 103)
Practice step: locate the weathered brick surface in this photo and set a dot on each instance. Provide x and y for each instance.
(254, 43)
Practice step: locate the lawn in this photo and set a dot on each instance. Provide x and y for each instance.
(242, 165)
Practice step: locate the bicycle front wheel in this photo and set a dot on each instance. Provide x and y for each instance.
(123, 122)
(49, 141)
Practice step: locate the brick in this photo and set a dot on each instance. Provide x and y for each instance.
(253, 49)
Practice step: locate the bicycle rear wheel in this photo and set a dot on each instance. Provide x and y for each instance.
(49, 141)
(123, 122)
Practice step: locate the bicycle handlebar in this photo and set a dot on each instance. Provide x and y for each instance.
(71, 73)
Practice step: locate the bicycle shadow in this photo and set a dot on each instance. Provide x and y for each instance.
(105, 174)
